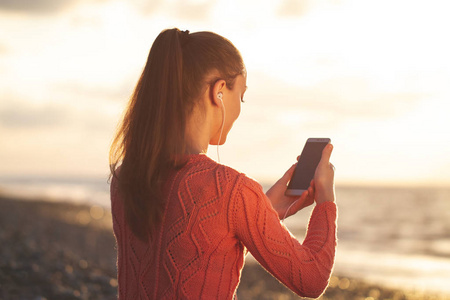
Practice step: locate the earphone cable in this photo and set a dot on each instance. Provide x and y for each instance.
(221, 130)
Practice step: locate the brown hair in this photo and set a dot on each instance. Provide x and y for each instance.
(150, 140)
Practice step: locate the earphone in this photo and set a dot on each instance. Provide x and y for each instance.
(287, 210)
(220, 96)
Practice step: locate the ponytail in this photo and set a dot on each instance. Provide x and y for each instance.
(151, 140)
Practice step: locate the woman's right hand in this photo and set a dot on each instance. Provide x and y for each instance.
(324, 178)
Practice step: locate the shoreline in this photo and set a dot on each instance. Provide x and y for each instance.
(62, 250)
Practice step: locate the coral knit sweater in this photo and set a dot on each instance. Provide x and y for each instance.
(212, 215)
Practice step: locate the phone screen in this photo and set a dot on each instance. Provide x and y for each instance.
(306, 167)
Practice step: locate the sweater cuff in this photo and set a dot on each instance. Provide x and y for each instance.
(322, 227)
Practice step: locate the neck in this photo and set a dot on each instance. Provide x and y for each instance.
(198, 132)
(197, 150)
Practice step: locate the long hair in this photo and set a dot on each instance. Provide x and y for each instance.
(150, 140)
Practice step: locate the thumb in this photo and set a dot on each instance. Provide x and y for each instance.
(326, 154)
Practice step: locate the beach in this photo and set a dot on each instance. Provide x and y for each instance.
(62, 250)
(55, 250)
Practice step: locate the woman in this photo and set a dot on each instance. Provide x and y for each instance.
(182, 221)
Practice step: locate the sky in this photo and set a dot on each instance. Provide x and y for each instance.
(371, 75)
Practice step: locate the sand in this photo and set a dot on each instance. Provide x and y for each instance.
(59, 250)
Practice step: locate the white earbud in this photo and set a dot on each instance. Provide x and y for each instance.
(220, 96)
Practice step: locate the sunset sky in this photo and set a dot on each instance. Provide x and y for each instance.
(374, 76)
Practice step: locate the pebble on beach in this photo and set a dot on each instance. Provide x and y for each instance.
(58, 250)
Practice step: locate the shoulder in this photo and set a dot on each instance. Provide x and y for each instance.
(246, 189)
(203, 166)
(243, 181)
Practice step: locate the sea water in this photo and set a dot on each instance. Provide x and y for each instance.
(398, 237)
(70, 189)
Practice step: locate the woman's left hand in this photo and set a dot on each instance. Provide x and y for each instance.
(281, 202)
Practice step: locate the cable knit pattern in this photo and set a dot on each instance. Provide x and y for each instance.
(212, 214)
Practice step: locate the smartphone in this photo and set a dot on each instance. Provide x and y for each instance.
(306, 167)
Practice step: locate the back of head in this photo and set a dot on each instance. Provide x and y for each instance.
(151, 139)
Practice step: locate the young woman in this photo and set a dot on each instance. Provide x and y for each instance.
(183, 222)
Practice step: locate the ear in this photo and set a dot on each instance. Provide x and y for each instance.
(218, 87)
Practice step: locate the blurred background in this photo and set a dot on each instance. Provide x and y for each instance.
(371, 75)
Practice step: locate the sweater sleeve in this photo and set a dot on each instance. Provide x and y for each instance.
(305, 268)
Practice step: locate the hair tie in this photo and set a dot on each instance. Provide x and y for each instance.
(184, 37)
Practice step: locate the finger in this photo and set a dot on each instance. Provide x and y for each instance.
(300, 202)
(326, 154)
(333, 167)
(313, 184)
(298, 157)
(309, 199)
(310, 190)
(288, 175)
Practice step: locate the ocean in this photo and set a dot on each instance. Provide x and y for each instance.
(396, 237)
